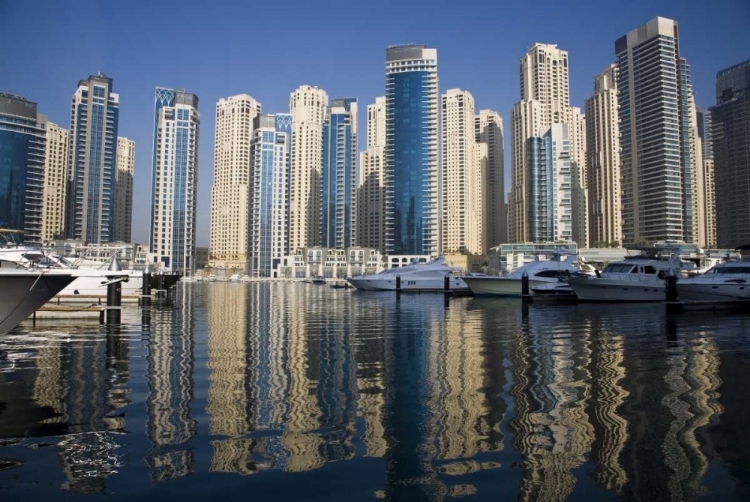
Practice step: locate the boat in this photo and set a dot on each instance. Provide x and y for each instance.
(429, 276)
(637, 278)
(318, 281)
(25, 291)
(340, 285)
(728, 281)
(539, 272)
(555, 291)
(211, 278)
(234, 278)
(88, 281)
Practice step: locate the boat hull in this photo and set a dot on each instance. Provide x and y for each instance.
(715, 292)
(414, 285)
(610, 290)
(90, 283)
(499, 286)
(24, 293)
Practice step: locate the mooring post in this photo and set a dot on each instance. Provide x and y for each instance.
(525, 293)
(673, 306)
(398, 283)
(146, 290)
(447, 283)
(114, 300)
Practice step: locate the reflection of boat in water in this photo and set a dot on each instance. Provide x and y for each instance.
(428, 276)
(24, 291)
(539, 272)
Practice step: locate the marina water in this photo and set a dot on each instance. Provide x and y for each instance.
(289, 391)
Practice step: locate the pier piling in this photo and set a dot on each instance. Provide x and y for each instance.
(146, 293)
(525, 291)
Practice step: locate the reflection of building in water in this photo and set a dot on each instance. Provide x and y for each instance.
(304, 417)
(693, 378)
(409, 378)
(170, 382)
(553, 389)
(607, 396)
(456, 399)
(83, 382)
(228, 401)
(369, 354)
(729, 437)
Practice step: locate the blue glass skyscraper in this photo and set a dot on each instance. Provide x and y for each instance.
(22, 142)
(339, 176)
(412, 186)
(269, 193)
(175, 178)
(93, 152)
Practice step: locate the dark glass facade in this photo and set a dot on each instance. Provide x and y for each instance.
(408, 162)
(731, 152)
(22, 143)
(339, 174)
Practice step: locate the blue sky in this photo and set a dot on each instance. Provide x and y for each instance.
(267, 48)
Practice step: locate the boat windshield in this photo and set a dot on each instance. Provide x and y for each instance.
(618, 268)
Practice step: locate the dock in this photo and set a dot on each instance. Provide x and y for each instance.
(67, 312)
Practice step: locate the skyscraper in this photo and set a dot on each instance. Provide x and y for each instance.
(308, 106)
(412, 183)
(655, 114)
(488, 128)
(603, 154)
(22, 149)
(175, 178)
(56, 159)
(545, 100)
(705, 134)
(124, 190)
(269, 189)
(463, 224)
(578, 179)
(371, 183)
(339, 201)
(731, 154)
(550, 211)
(230, 191)
(93, 150)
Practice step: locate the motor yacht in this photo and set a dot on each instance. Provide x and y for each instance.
(87, 281)
(637, 278)
(429, 276)
(24, 291)
(723, 282)
(539, 272)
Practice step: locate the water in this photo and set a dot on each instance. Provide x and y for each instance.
(302, 392)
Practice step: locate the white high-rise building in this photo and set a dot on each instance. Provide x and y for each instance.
(550, 192)
(229, 194)
(269, 187)
(175, 178)
(658, 159)
(545, 99)
(307, 106)
(463, 191)
(371, 182)
(704, 126)
(412, 189)
(56, 160)
(123, 221)
(489, 131)
(578, 178)
(603, 160)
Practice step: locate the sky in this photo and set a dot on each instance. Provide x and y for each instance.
(220, 48)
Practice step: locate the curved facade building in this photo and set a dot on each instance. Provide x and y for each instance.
(412, 186)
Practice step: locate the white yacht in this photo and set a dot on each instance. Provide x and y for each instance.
(24, 291)
(428, 276)
(89, 277)
(638, 278)
(540, 272)
(726, 281)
